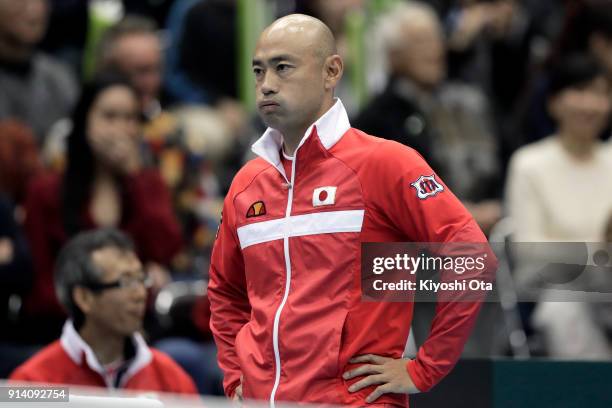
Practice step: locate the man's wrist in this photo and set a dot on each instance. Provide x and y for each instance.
(411, 367)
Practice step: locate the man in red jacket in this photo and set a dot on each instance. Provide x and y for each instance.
(100, 281)
(285, 286)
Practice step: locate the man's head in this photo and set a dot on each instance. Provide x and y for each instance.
(101, 282)
(413, 38)
(23, 22)
(132, 47)
(296, 70)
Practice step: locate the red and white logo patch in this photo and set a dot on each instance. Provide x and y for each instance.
(427, 186)
(324, 196)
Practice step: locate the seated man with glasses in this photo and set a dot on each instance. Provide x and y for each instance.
(101, 283)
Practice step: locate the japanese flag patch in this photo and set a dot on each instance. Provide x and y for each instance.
(324, 196)
(427, 186)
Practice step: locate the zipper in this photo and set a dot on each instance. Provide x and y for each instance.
(287, 283)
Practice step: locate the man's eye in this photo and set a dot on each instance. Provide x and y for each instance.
(282, 67)
(257, 71)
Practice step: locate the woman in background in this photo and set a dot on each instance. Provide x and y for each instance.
(558, 190)
(105, 185)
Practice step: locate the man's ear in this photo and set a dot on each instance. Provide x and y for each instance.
(333, 69)
(83, 298)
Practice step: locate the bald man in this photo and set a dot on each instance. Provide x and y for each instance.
(284, 283)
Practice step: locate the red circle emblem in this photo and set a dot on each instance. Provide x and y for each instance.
(323, 195)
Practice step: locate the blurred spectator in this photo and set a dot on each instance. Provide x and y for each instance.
(184, 156)
(490, 45)
(203, 31)
(36, 89)
(587, 29)
(102, 284)
(447, 122)
(347, 20)
(178, 84)
(557, 191)
(15, 281)
(105, 184)
(68, 25)
(19, 160)
(208, 49)
(189, 146)
(493, 44)
(132, 47)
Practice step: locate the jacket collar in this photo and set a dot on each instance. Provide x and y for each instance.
(77, 349)
(330, 127)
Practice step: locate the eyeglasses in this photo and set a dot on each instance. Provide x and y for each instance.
(124, 282)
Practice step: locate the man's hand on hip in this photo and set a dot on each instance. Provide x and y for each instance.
(390, 373)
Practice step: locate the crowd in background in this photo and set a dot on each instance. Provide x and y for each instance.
(139, 126)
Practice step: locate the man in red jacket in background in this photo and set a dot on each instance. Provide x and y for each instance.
(101, 282)
(285, 286)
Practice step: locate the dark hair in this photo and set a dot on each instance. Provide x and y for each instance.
(571, 72)
(74, 266)
(79, 173)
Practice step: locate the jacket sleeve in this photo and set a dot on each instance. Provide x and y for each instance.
(435, 218)
(229, 303)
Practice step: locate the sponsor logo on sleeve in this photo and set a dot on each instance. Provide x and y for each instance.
(427, 186)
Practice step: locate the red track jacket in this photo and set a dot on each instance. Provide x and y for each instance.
(71, 361)
(285, 273)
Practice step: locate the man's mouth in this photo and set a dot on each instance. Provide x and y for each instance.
(268, 105)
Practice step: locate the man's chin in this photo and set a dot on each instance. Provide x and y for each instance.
(270, 120)
(128, 329)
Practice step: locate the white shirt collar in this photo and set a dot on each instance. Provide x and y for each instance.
(74, 345)
(330, 127)
(286, 156)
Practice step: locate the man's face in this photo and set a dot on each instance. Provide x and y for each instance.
(23, 21)
(422, 58)
(119, 311)
(138, 56)
(289, 80)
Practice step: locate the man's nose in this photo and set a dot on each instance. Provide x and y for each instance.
(269, 84)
